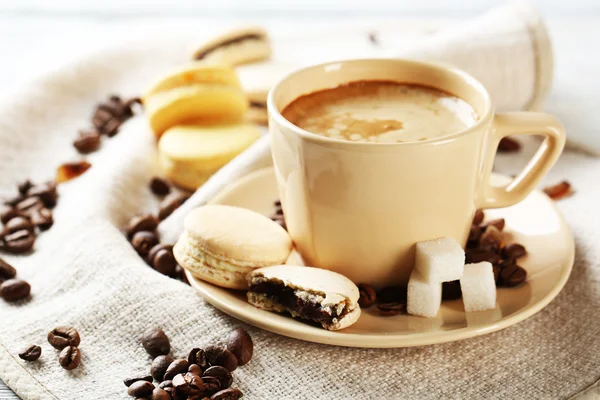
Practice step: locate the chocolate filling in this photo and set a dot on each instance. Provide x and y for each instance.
(228, 42)
(287, 297)
(258, 104)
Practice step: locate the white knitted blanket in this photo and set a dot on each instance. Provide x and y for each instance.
(84, 272)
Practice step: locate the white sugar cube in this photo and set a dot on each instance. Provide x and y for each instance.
(478, 287)
(424, 297)
(440, 260)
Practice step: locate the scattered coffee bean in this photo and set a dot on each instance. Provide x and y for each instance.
(23, 187)
(496, 268)
(240, 344)
(491, 239)
(7, 213)
(18, 224)
(478, 217)
(100, 118)
(222, 374)
(198, 356)
(87, 142)
(160, 394)
(166, 384)
(14, 289)
(392, 294)
(474, 236)
(195, 369)
(216, 355)
(478, 255)
(389, 309)
(156, 342)
(451, 290)
(159, 186)
(211, 385)
(373, 39)
(180, 274)
(129, 381)
(46, 192)
(179, 366)
(7, 271)
(63, 336)
(508, 145)
(145, 222)
(164, 262)
(154, 251)
(42, 219)
(514, 251)
(140, 389)
(70, 358)
(18, 242)
(188, 385)
(170, 204)
(30, 205)
(559, 191)
(111, 127)
(227, 394)
(13, 201)
(143, 241)
(31, 353)
(497, 223)
(512, 275)
(72, 170)
(159, 366)
(368, 295)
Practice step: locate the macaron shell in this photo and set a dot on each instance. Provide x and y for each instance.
(238, 234)
(207, 103)
(247, 51)
(194, 73)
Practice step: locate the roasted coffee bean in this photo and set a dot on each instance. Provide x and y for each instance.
(491, 239)
(171, 203)
(227, 394)
(368, 295)
(512, 275)
(496, 268)
(46, 192)
(474, 256)
(18, 242)
(180, 274)
(514, 251)
(211, 385)
(7, 213)
(18, 224)
(70, 358)
(156, 342)
(558, 191)
(30, 205)
(195, 369)
(497, 223)
(219, 356)
(474, 235)
(451, 290)
(508, 145)
(100, 118)
(159, 186)
(67, 171)
(144, 222)
(478, 217)
(166, 384)
(154, 251)
(179, 366)
(31, 353)
(111, 127)
(277, 203)
(389, 309)
(129, 381)
(63, 336)
(160, 394)
(240, 344)
(7, 271)
(140, 389)
(280, 220)
(198, 356)
(13, 201)
(222, 374)
(43, 219)
(143, 241)
(87, 142)
(24, 186)
(188, 385)
(159, 366)
(392, 294)
(164, 262)
(14, 289)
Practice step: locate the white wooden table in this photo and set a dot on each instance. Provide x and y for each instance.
(37, 36)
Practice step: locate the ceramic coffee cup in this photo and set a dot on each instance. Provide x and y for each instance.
(358, 208)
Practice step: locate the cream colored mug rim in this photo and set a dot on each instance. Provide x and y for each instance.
(446, 68)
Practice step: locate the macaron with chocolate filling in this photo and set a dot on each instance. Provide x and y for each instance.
(307, 293)
(222, 244)
(236, 47)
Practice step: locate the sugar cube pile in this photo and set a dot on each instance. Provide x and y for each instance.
(478, 287)
(424, 297)
(440, 260)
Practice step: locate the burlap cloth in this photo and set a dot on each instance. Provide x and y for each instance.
(84, 273)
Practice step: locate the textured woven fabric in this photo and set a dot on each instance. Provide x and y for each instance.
(84, 273)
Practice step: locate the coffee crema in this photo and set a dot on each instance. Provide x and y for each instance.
(381, 111)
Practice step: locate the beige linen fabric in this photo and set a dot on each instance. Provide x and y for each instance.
(84, 273)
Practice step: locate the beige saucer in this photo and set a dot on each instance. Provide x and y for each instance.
(535, 222)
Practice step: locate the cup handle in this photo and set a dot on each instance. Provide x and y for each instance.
(528, 123)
